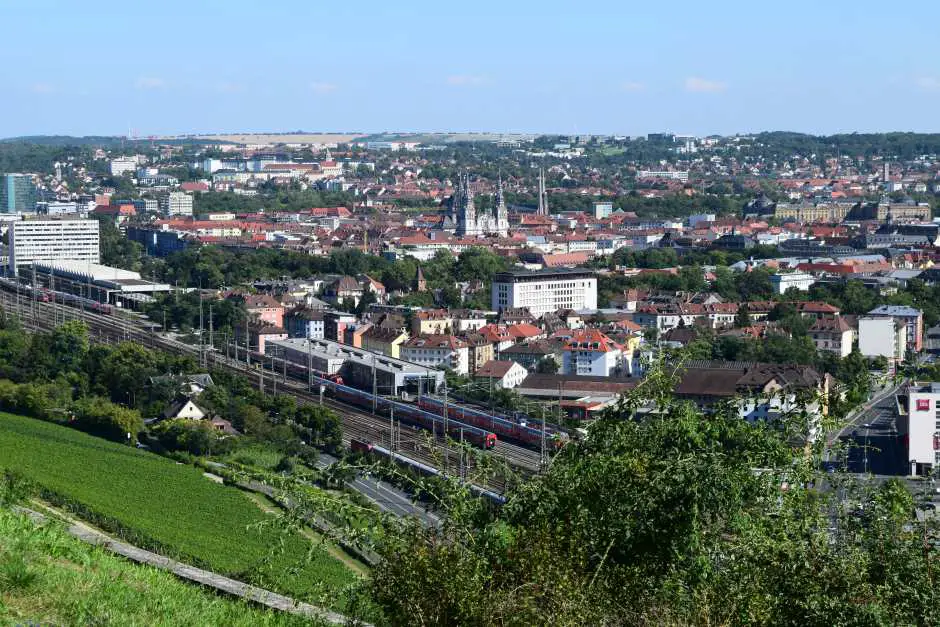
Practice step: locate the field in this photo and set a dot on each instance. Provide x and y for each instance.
(47, 577)
(171, 508)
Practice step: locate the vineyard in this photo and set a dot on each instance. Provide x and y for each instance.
(168, 507)
(48, 577)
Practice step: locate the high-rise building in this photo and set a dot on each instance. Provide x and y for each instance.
(53, 240)
(886, 172)
(17, 193)
(177, 204)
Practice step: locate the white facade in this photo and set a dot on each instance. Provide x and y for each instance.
(427, 352)
(123, 165)
(882, 337)
(177, 204)
(54, 240)
(799, 280)
(921, 425)
(591, 363)
(545, 291)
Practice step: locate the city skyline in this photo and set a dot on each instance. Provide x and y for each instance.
(110, 69)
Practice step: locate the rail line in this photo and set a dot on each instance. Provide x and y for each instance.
(357, 424)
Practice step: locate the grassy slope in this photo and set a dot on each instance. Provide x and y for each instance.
(48, 577)
(174, 506)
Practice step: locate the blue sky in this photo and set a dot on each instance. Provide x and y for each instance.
(568, 67)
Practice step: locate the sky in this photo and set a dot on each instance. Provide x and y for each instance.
(623, 67)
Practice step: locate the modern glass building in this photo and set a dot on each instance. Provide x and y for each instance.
(17, 193)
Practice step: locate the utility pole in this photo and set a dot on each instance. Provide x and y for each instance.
(310, 367)
(542, 453)
(202, 352)
(446, 449)
(391, 429)
(247, 345)
(211, 336)
(374, 385)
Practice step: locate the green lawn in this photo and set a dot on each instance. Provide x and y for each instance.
(49, 578)
(171, 507)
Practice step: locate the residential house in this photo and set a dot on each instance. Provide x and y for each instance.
(531, 354)
(467, 321)
(499, 336)
(384, 340)
(343, 289)
(264, 309)
(832, 334)
(445, 351)
(305, 322)
(432, 322)
(590, 352)
(479, 350)
(502, 374)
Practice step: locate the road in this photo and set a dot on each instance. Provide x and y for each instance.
(871, 437)
(386, 497)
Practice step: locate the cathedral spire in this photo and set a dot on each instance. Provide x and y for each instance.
(543, 195)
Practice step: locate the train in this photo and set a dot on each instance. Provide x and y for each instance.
(502, 426)
(411, 414)
(45, 295)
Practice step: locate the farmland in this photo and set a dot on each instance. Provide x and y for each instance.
(48, 577)
(169, 507)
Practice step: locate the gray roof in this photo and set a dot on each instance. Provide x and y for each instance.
(901, 311)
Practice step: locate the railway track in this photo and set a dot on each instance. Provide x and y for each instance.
(357, 423)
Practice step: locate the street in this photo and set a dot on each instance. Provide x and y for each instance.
(871, 437)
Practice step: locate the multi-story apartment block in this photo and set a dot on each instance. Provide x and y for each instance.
(832, 334)
(444, 351)
(591, 353)
(912, 318)
(542, 291)
(123, 165)
(880, 336)
(54, 240)
(177, 204)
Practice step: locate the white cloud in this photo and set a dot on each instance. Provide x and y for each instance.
(929, 83)
(322, 88)
(466, 80)
(149, 82)
(704, 86)
(632, 86)
(42, 88)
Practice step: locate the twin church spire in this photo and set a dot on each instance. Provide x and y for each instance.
(464, 212)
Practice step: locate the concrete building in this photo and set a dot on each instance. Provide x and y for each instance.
(603, 209)
(882, 337)
(306, 323)
(444, 351)
(912, 318)
(919, 426)
(797, 280)
(54, 240)
(177, 204)
(17, 193)
(542, 291)
(123, 165)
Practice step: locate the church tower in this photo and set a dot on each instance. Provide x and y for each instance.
(502, 213)
(543, 195)
(464, 208)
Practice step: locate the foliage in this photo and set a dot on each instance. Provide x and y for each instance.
(670, 517)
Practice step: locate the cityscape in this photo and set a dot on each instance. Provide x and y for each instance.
(468, 377)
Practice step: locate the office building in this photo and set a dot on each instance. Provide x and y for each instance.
(123, 165)
(177, 204)
(17, 193)
(53, 240)
(542, 291)
(919, 425)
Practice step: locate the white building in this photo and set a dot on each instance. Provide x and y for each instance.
(833, 335)
(504, 374)
(667, 174)
(603, 209)
(177, 204)
(882, 337)
(542, 291)
(122, 165)
(592, 353)
(54, 240)
(444, 351)
(919, 426)
(799, 280)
